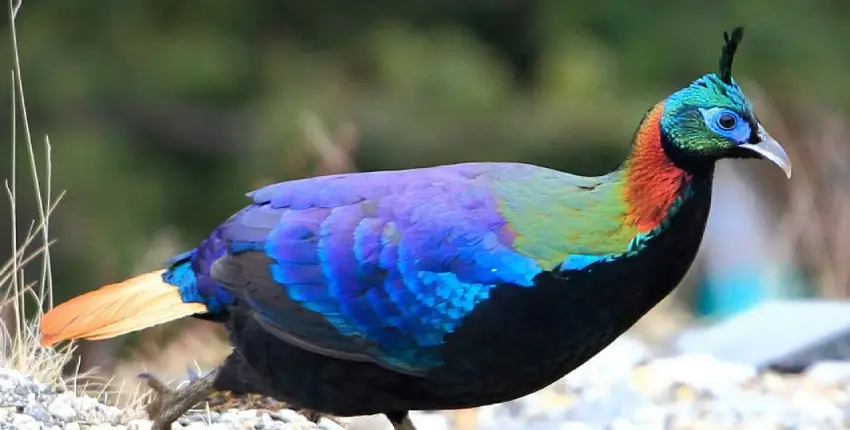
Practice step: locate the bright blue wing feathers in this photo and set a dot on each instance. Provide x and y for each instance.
(393, 261)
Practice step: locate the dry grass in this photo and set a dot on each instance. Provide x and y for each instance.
(20, 342)
(27, 296)
(28, 291)
(813, 213)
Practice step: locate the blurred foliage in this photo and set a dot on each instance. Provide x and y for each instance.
(165, 113)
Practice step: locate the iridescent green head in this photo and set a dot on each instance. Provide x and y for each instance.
(712, 119)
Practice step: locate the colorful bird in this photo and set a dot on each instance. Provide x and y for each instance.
(443, 287)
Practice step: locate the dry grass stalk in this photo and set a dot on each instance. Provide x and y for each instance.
(20, 348)
(813, 221)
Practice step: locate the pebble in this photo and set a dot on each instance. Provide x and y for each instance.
(61, 408)
(136, 425)
(622, 388)
(289, 416)
(326, 424)
(196, 425)
(830, 372)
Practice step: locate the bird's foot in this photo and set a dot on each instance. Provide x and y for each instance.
(224, 400)
(221, 401)
(400, 420)
(167, 405)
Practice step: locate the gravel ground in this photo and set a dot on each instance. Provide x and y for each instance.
(622, 388)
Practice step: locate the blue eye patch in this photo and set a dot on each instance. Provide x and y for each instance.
(726, 123)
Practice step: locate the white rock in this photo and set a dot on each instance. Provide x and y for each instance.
(326, 424)
(290, 416)
(622, 424)
(609, 366)
(7, 385)
(430, 421)
(818, 408)
(140, 425)
(196, 425)
(249, 415)
(574, 425)
(369, 422)
(701, 372)
(108, 414)
(25, 422)
(11, 374)
(830, 372)
(229, 417)
(61, 408)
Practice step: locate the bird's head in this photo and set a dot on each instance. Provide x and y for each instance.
(712, 119)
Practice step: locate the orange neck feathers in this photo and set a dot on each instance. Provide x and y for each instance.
(652, 181)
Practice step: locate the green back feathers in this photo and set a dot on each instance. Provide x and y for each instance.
(555, 214)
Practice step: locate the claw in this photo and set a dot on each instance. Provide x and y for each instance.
(153, 382)
(167, 405)
(145, 376)
(160, 397)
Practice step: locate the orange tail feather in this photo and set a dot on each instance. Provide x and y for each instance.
(112, 310)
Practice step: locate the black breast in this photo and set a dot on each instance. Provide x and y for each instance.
(523, 339)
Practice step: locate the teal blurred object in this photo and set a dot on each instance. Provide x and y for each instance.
(739, 260)
(723, 294)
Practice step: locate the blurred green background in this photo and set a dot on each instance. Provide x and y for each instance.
(163, 114)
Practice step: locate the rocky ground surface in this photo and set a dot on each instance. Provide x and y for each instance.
(622, 388)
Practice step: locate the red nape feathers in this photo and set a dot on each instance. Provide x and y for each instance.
(653, 182)
(115, 309)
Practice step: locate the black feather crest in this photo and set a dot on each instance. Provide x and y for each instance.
(728, 53)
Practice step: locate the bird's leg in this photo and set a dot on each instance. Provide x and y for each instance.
(400, 420)
(168, 405)
(313, 416)
(222, 400)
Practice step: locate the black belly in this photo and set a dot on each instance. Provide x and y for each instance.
(520, 341)
(517, 342)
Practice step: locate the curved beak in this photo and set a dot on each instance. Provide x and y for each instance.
(769, 149)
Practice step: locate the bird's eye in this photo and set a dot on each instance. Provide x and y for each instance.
(727, 121)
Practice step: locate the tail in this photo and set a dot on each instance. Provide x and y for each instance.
(137, 303)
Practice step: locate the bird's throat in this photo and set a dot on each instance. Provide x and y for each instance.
(653, 184)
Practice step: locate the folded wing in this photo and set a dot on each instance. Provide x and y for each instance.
(377, 267)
